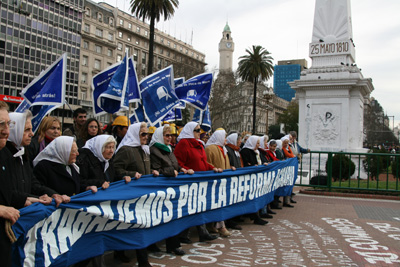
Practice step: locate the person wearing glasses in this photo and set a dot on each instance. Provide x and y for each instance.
(164, 161)
(132, 160)
(90, 129)
(9, 201)
(190, 154)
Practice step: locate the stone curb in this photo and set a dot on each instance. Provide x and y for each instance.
(353, 195)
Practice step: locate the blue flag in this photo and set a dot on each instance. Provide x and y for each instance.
(132, 93)
(49, 87)
(158, 96)
(196, 91)
(138, 114)
(203, 118)
(178, 82)
(143, 212)
(100, 84)
(174, 115)
(112, 99)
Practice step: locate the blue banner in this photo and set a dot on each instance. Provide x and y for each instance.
(174, 115)
(142, 212)
(132, 93)
(158, 96)
(49, 87)
(203, 118)
(100, 84)
(196, 91)
(112, 99)
(178, 82)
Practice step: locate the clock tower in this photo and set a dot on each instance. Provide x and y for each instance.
(226, 48)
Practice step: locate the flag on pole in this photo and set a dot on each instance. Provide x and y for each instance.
(138, 114)
(132, 93)
(203, 118)
(46, 92)
(158, 96)
(178, 82)
(196, 91)
(174, 114)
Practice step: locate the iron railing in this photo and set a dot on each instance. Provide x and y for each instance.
(350, 171)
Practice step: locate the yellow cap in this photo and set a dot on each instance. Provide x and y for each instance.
(173, 128)
(121, 120)
(165, 122)
(180, 130)
(152, 129)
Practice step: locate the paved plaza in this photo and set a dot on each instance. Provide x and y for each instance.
(318, 231)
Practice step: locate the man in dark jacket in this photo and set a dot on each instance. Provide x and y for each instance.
(79, 117)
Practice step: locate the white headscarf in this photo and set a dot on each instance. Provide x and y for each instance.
(132, 138)
(187, 131)
(286, 137)
(232, 139)
(96, 145)
(262, 140)
(158, 136)
(279, 144)
(218, 138)
(252, 142)
(17, 132)
(58, 151)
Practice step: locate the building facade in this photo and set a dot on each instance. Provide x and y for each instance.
(107, 33)
(287, 71)
(33, 35)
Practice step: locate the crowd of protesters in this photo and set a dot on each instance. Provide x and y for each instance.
(50, 166)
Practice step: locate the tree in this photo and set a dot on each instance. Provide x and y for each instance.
(255, 67)
(153, 10)
(290, 117)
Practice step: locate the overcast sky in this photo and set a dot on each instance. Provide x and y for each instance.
(284, 28)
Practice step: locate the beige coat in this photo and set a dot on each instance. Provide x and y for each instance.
(216, 158)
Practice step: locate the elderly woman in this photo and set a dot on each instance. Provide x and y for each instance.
(191, 155)
(132, 159)
(233, 142)
(90, 129)
(164, 161)
(217, 156)
(24, 182)
(251, 157)
(263, 149)
(286, 149)
(49, 129)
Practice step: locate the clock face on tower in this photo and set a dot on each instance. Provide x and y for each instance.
(228, 45)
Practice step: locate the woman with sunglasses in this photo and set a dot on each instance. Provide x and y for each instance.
(164, 161)
(132, 159)
(190, 154)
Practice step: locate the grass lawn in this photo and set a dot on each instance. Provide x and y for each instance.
(383, 185)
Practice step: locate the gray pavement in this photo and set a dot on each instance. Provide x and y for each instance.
(318, 231)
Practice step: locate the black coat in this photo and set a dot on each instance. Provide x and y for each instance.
(7, 198)
(234, 160)
(264, 156)
(92, 169)
(55, 176)
(24, 181)
(249, 157)
(164, 162)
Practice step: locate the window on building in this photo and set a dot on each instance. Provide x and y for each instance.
(110, 36)
(98, 49)
(85, 60)
(143, 58)
(99, 32)
(100, 17)
(128, 49)
(135, 55)
(86, 28)
(109, 53)
(87, 12)
(162, 40)
(119, 58)
(168, 43)
(111, 21)
(130, 25)
(84, 77)
(83, 95)
(137, 41)
(138, 29)
(129, 38)
(97, 64)
(121, 22)
(85, 45)
(119, 46)
(146, 33)
(120, 34)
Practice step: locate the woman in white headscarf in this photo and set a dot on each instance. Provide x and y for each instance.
(55, 168)
(251, 157)
(191, 155)
(24, 183)
(132, 159)
(287, 151)
(164, 161)
(217, 156)
(233, 142)
(263, 149)
(95, 161)
(278, 150)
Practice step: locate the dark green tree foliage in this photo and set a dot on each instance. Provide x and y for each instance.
(274, 131)
(376, 164)
(395, 167)
(255, 67)
(290, 117)
(153, 10)
(342, 167)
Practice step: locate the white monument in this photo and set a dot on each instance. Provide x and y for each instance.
(331, 93)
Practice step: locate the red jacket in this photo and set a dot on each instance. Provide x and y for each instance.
(272, 155)
(191, 155)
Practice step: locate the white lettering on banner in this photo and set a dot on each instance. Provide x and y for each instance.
(359, 239)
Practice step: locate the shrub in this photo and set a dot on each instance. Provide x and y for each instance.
(395, 168)
(342, 167)
(374, 164)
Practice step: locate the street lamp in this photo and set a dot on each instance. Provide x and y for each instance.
(268, 95)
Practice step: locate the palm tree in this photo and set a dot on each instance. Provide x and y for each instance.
(153, 10)
(255, 67)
